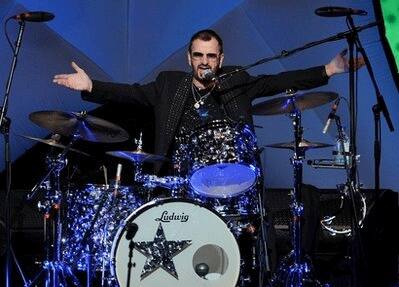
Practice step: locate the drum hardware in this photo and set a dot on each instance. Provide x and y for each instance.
(295, 269)
(55, 271)
(77, 126)
(138, 157)
(172, 183)
(56, 164)
(325, 163)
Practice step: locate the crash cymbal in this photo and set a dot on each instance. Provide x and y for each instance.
(53, 142)
(305, 144)
(137, 156)
(285, 105)
(86, 127)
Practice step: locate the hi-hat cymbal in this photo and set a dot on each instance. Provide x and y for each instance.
(304, 144)
(54, 143)
(137, 156)
(287, 104)
(86, 127)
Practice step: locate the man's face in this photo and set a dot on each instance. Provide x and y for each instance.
(204, 55)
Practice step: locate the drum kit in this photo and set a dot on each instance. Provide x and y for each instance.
(207, 231)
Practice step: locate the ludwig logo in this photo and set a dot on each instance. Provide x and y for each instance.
(168, 217)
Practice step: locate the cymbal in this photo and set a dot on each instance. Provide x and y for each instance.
(86, 127)
(285, 105)
(305, 144)
(137, 156)
(54, 143)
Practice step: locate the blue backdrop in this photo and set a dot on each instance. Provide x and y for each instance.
(131, 41)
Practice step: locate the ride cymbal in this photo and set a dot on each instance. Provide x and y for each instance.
(304, 144)
(54, 143)
(288, 104)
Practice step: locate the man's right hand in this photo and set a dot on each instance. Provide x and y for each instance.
(79, 81)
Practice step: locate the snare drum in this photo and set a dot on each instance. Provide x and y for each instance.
(221, 159)
(178, 243)
(82, 205)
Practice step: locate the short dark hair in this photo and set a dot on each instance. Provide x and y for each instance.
(206, 35)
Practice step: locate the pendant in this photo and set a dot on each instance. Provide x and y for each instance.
(203, 113)
(198, 104)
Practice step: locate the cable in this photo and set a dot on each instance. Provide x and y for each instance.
(6, 34)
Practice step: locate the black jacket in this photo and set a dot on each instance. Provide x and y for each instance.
(167, 95)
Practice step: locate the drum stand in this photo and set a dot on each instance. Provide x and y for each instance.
(55, 272)
(295, 270)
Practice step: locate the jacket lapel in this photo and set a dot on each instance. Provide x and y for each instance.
(229, 98)
(176, 109)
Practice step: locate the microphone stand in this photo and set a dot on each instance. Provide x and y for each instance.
(131, 232)
(379, 107)
(130, 264)
(285, 53)
(5, 125)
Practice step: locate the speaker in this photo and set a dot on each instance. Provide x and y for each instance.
(25, 215)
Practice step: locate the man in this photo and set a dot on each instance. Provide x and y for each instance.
(182, 101)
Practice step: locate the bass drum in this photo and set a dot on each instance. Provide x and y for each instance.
(179, 243)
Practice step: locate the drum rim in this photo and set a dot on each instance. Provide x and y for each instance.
(84, 186)
(229, 123)
(142, 209)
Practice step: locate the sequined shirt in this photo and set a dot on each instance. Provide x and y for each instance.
(192, 117)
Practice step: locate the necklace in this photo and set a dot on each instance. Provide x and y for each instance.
(201, 99)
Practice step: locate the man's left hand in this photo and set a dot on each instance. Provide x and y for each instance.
(340, 64)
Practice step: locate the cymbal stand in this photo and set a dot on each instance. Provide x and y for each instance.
(295, 270)
(54, 270)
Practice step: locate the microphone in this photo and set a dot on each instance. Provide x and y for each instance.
(334, 11)
(34, 16)
(331, 115)
(131, 230)
(209, 75)
(117, 179)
